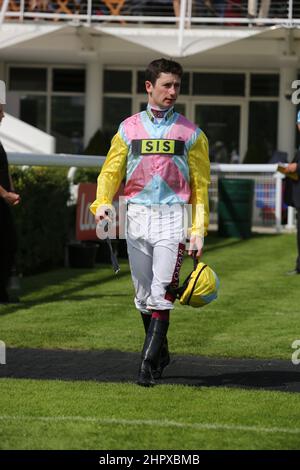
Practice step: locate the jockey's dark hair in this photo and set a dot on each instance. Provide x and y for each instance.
(158, 66)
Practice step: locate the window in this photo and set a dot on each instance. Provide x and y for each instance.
(140, 82)
(117, 81)
(69, 80)
(264, 84)
(33, 110)
(27, 79)
(185, 84)
(67, 123)
(221, 123)
(115, 110)
(225, 84)
(51, 99)
(262, 138)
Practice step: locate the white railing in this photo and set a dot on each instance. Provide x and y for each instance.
(179, 14)
(124, 12)
(268, 207)
(55, 159)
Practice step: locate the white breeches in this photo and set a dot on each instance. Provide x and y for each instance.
(156, 244)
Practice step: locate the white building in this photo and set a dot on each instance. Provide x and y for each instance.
(73, 67)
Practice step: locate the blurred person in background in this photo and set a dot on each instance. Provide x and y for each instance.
(8, 197)
(292, 195)
(263, 9)
(155, 8)
(215, 7)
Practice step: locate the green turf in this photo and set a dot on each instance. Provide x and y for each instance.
(256, 315)
(88, 415)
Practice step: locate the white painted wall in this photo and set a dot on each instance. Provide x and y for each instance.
(18, 136)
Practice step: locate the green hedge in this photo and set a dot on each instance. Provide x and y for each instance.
(42, 217)
(86, 175)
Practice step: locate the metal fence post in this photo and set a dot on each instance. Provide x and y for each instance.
(278, 201)
(2, 352)
(290, 218)
(290, 11)
(3, 11)
(89, 11)
(181, 25)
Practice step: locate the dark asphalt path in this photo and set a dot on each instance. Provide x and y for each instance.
(118, 366)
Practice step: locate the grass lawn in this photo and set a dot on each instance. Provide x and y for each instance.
(256, 316)
(87, 415)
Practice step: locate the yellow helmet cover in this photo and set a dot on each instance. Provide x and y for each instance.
(200, 287)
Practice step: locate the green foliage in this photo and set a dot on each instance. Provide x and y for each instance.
(41, 217)
(86, 175)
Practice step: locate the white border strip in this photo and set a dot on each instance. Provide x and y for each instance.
(165, 423)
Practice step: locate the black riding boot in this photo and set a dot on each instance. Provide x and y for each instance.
(146, 320)
(164, 358)
(154, 340)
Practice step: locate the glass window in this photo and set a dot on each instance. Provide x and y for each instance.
(221, 124)
(226, 84)
(67, 123)
(185, 84)
(33, 110)
(264, 84)
(262, 139)
(71, 80)
(140, 82)
(180, 108)
(117, 81)
(143, 106)
(115, 110)
(184, 89)
(27, 79)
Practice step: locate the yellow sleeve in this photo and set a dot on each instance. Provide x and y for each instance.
(112, 173)
(199, 166)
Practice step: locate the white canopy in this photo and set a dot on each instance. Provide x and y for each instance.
(165, 40)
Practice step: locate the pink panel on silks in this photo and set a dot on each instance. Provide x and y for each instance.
(134, 128)
(182, 129)
(157, 165)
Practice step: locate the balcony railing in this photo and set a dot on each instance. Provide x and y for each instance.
(180, 13)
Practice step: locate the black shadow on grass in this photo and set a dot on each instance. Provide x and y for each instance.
(281, 380)
(61, 296)
(118, 366)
